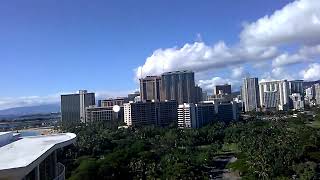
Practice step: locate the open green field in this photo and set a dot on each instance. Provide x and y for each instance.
(230, 147)
(314, 124)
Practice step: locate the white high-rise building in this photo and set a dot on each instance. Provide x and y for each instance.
(127, 114)
(274, 95)
(310, 93)
(310, 96)
(250, 94)
(297, 101)
(187, 115)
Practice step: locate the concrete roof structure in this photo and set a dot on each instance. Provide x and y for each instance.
(21, 156)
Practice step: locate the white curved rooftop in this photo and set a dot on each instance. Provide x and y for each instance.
(25, 151)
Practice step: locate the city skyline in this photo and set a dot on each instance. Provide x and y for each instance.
(219, 52)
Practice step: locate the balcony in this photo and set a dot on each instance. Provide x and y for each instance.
(61, 172)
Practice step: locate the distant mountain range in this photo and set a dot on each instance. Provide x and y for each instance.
(40, 109)
(307, 84)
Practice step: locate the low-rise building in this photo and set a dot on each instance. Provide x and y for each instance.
(33, 157)
(98, 114)
(112, 102)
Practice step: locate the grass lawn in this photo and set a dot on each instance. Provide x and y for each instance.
(232, 148)
(314, 124)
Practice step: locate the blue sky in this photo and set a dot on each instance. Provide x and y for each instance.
(49, 47)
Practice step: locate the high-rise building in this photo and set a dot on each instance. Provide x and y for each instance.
(226, 111)
(222, 89)
(310, 96)
(250, 94)
(150, 88)
(187, 116)
(317, 93)
(297, 101)
(309, 93)
(205, 114)
(274, 95)
(296, 86)
(150, 113)
(166, 113)
(198, 94)
(73, 106)
(179, 86)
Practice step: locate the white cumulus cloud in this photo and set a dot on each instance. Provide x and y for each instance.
(312, 72)
(261, 42)
(297, 22)
(210, 83)
(201, 57)
(305, 54)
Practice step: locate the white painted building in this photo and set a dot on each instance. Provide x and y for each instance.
(297, 101)
(33, 157)
(274, 95)
(127, 114)
(187, 115)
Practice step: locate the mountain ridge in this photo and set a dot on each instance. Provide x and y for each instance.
(26, 110)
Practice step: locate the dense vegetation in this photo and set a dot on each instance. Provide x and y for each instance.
(275, 149)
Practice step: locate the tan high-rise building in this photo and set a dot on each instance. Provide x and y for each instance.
(150, 88)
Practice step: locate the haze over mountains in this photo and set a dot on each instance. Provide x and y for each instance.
(39, 109)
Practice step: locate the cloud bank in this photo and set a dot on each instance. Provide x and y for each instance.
(262, 43)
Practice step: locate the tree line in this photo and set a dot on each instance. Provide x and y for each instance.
(284, 148)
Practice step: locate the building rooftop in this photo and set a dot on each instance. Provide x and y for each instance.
(177, 72)
(23, 152)
(2, 133)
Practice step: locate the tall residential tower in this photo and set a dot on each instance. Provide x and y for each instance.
(274, 95)
(250, 94)
(179, 86)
